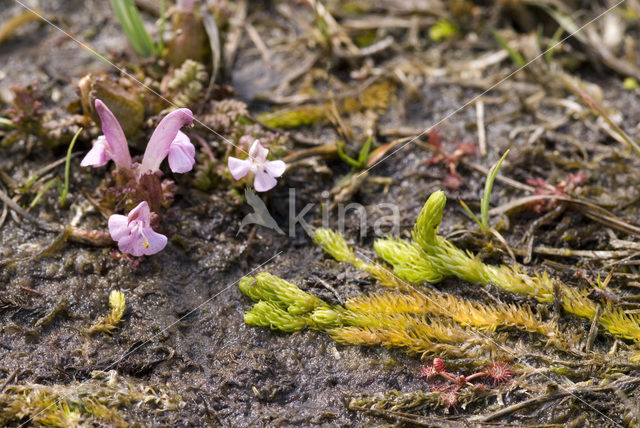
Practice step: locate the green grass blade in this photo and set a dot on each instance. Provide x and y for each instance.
(364, 153)
(163, 19)
(132, 25)
(67, 169)
(515, 55)
(488, 185)
(7, 122)
(548, 55)
(345, 157)
(41, 192)
(472, 215)
(632, 144)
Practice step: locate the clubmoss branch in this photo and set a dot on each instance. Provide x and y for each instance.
(411, 265)
(444, 259)
(283, 306)
(110, 322)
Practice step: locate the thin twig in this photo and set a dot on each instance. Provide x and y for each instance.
(482, 133)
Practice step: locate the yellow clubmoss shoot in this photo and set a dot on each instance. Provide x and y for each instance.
(411, 265)
(110, 322)
(448, 260)
(334, 244)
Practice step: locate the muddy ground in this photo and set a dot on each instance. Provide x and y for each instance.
(183, 332)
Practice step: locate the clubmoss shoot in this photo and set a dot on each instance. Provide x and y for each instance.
(110, 322)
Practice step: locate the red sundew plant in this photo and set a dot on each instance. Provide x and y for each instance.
(452, 180)
(498, 371)
(542, 188)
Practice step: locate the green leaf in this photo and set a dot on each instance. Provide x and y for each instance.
(67, 168)
(486, 196)
(364, 153)
(515, 55)
(548, 55)
(471, 214)
(443, 30)
(132, 25)
(340, 146)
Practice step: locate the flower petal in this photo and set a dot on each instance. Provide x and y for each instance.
(118, 226)
(155, 241)
(98, 155)
(163, 136)
(239, 168)
(263, 181)
(275, 168)
(181, 154)
(141, 213)
(257, 152)
(117, 142)
(133, 244)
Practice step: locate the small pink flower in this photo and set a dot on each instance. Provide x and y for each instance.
(110, 146)
(181, 154)
(134, 234)
(98, 155)
(167, 140)
(265, 171)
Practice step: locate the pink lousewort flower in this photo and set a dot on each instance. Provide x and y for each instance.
(265, 171)
(110, 146)
(167, 140)
(134, 233)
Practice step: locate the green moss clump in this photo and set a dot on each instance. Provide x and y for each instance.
(96, 402)
(287, 119)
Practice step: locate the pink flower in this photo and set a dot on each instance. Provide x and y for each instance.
(181, 154)
(167, 140)
(112, 145)
(265, 171)
(134, 234)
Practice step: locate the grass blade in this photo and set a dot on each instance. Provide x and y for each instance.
(488, 185)
(67, 168)
(132, 25)
(515, 55)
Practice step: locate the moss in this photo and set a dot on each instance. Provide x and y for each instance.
(96, 402)
(377, 97)
(110, 322)
(287, 119)
(366, 38)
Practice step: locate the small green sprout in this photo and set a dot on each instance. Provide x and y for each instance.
(630, 84)
(64, 191)
(443, 30)
(488, 186)
(363, 156)
(48, 185)
(514, 54)
(334, 244)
